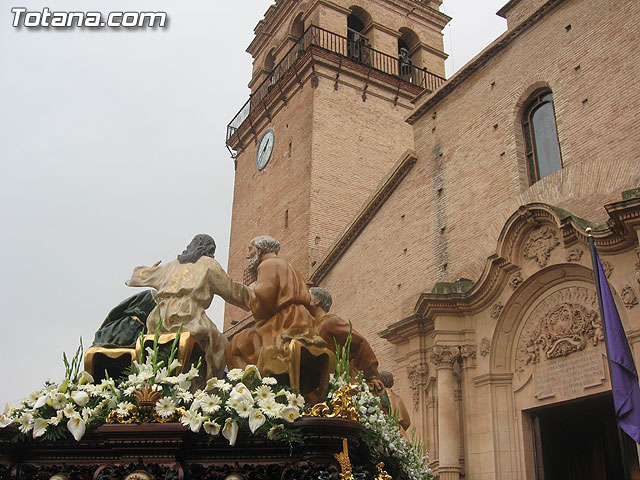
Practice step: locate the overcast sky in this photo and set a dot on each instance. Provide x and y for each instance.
(112, 150)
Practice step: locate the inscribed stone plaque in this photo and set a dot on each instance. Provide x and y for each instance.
(569, 377)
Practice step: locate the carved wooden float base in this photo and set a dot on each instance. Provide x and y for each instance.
(171, 452)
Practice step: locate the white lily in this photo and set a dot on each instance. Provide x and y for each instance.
(162, 374)
(272, 434)
(77, 427)
(249, 369)
(174, 364)
(41, 402)
(296, 401)
(256, 420)
(39, 427)
(84, 377)
(230, 431)
(81, 398)
(193, 420)
(212, 428)
(5, 420)
(63, 386)
(289, 414)
(215, 383)
(241, 392)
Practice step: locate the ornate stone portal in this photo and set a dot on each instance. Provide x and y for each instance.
(565, 322)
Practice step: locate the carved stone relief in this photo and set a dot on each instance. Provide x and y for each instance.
(607, 267)
(497, 308)
(417, 381)
(540, 244)
(468, 354)
(628, 297)
(445, 356)
(563, 323)
(485, 347)
(516, 280)
(574, 255)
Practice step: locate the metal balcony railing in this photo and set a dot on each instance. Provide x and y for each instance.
(354, 48)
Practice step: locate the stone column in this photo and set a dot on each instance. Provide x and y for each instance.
(448, 431)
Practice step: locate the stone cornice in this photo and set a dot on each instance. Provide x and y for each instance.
(421, 10)
(440, 53)
(424, 104)
(367, 212)
(493, 379)
(266, 27)
(508, 6)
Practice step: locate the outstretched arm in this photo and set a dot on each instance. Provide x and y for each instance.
(231, 292)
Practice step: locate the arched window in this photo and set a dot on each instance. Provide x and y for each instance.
(357, 43)
(407, 41)
(297, 27)
(542, 148)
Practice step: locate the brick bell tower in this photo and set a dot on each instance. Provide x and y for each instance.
(332, 83)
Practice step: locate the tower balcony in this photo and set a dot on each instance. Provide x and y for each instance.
(317, 41)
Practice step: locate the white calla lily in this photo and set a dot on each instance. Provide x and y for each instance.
(80, 398)
(256, 420)
(230, 431)
(84, 377)
(41, 402)
(5, 420)
(39, 427)
(77, 427)
(289, 414)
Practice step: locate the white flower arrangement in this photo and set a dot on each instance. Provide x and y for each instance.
(385, 440)
(244, 400)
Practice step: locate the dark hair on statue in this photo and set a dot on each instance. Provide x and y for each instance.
(202, 245)
(386, 378)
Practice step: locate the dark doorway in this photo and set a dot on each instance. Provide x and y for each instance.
(578, 440)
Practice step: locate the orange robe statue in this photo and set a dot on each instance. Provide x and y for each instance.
(334, 329)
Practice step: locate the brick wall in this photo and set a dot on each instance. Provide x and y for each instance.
(470, 174)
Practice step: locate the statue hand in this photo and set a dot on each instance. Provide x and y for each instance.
(376, 386)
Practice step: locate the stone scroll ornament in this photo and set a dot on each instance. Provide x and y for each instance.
(417, 381)
(628, 297)
(540, 244)
(567, 321)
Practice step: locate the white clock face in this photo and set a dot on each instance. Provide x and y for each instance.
(265, 147)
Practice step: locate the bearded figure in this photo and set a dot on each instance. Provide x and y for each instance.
(186, 287)
(284, 342)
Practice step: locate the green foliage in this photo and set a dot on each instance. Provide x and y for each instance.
(72, 369)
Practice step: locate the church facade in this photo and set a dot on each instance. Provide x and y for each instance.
(447, 217)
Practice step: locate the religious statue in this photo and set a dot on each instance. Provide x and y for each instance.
(334, 330)
(126, 321)
(186, 287)
(393, 403)
(284, 342)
